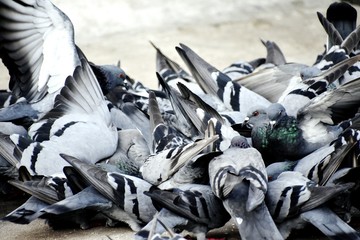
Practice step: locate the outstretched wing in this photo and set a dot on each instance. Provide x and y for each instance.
(37, 46)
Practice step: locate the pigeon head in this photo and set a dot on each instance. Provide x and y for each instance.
(255, 116)
(275, 112)
(115, 76)
(240, 142)
(109, 77)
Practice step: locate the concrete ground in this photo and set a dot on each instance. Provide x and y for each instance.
(219, 31)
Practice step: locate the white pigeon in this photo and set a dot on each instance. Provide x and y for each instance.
(79, 125)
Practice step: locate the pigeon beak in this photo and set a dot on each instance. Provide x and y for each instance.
(272, 124)
(245, 123)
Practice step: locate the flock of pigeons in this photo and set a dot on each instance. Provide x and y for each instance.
(269, 144)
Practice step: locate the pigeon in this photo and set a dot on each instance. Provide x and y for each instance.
(109, 77)
(191, 207)
(44, 68)
(323, 219)
(320, 165)
(276, 82)
(241, 69)
(165, 135)
(279, 136)
(205, 112)
(126, 192)
(170, 75)
(44, 192)
(234, 96)
(129, 116)
(10, 156)
(49, 201)
(291, 193)
(160, 167)
(238, 177)
(186, 118)
(298, 94)
(130, 155)
(345, 203)
(80, 112)
(199, 114)
(195, 171)
(139, 118)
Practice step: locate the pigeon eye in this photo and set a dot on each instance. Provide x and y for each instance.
(255, 113)
(121, 75)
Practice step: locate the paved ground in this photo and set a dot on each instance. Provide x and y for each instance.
(220, 31)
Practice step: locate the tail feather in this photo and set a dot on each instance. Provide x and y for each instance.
(274, 54)
(9, 150)
(255, 224)
(333, 34)
(330, 224)
(27, 212)
(182, 109)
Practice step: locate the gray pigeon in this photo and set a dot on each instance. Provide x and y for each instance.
(193, 112)
(44, 68)
(191, 207)
(80, 114)
(131, 153)
(315, 125)
(48, 189)
(343, 39)
(195, 171)
(126, 192)
(238, 177)
(109, 77)
(323, 219)
(160, 167)
(320, 165)
(303, 89)
(292, 193)
(234, 96)
(164, 135)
